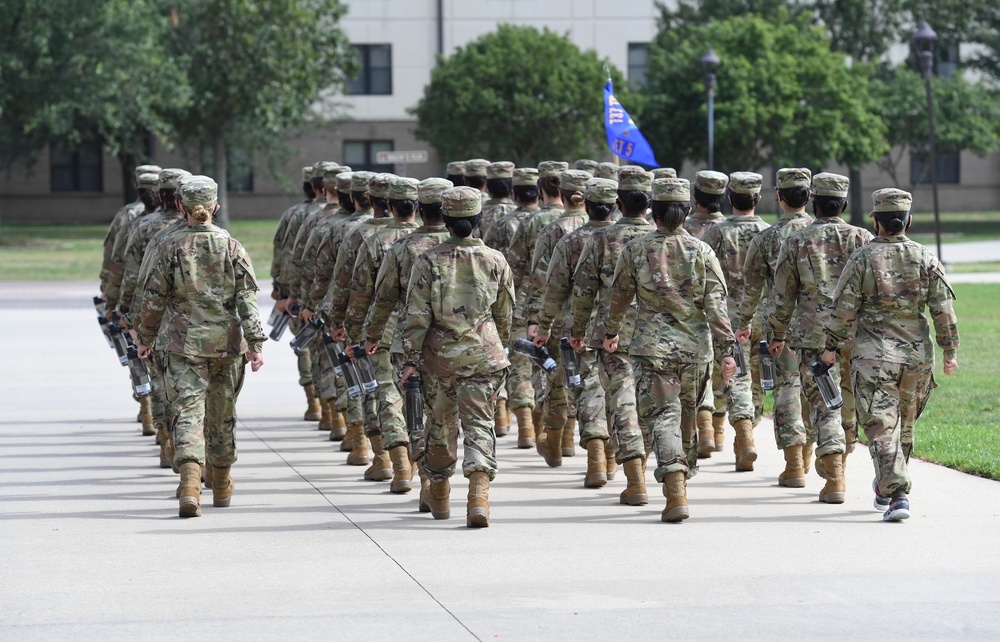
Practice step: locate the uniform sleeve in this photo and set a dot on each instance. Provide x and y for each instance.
(130, 277)
(292, 269)
(785, 292)
(109, 246)
(940, 298)
(535, 280)
(117, 269)
(246, 300)
(419, 314)
(520, 255)
(387, 295)
(622, 292)
(586, 285)
(754, 279)
(340, 286)
(279, 239)
(362, 290)
(156, 291)
(503, 307)
(556, 287)
(326, 260)
(716, 309)
(839, 327)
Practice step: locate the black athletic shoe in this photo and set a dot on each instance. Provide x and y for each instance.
(881, 502)
(899, 510)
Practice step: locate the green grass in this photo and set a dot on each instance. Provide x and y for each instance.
(956, 227)
(964, 268)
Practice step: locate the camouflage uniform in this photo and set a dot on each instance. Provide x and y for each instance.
(681, 315)
(495, 208)
(121, 219)
(458, 313)
(758, 276)
(809, 267)
(880, 299)
(200, 301)
(119, 253)
(279, 237)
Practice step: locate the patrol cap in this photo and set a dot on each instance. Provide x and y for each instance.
(551, 168)
(429, 190)
(574, 180)
(664, 172)
(711, 182)
(827, 184)
(476, 167)
(891, 199)
(606, 170)
(794, 177)
(674, 190)
(403, 189)
(170, 178)
(145, 169)
(307, 174)
(456, 168)
(500, 169)
(745, 183)
(199, 190)
(149, 180)
(359, 181)
(601, 190)
(330, 175)
(525, 176)
(378, 185)
(322, 167)
(633, 177)
(586, 165)
(461, 202)
(344, 182)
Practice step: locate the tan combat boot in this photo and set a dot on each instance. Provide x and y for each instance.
(536, 421)
(425, 487)
(794, 475)
(550, 446)
(170, 452)
(402, 473)
(326, 416)
(146, 416)
(359, 451)
(439, 499)
(190, 490)
(675, 490)
(381, 468)
(597, 465)
(833, 468)
(313, 411)
(635, 489)
(610, 465)
(477, 512)
(501, 421)
(208, 474)
(525, 427)
(165, 457)
(807, 456)
(338, 428)
(706, 434)
(719, 427)
(222, 486)
(746, 453)
(347, 444)
(569, 438)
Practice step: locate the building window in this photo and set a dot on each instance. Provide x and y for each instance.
(947, 63)
(77, 168)
(359, 155)
(638, 54)
(239, 170)
(947, 169)
(375, 78)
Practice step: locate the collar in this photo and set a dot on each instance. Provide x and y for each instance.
(895, 238)
(432, 228)
(598, 223)
(791, 215)
(827, 220)
(633, 220)
(570, 213)
(678, 232)
(468, 241)
(404, 225)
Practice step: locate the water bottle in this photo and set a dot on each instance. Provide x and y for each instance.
(366, 369)
(350, 376)
(306, 335)
(414, 406)
(100, 306)
(570, 364)
(120, 340)
(539, 355)
(283, 321)
(105, 325)
(275, 315)
(827, 386)
(741, 361)
(766, 367)
(138, 371)
(333, 352)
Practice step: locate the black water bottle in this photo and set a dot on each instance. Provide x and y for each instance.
(414, 405)
(570, 364)
(540, 356)
(766, 367)
(119, 337)
(138, 371)
(105, 325)
(282, 323)
(366, 369)
(828, 388)
(275, 315)
(350, 376)
(306, 335)
(741, 360)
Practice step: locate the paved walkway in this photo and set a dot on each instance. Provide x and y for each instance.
(967, 252)
(91, 547)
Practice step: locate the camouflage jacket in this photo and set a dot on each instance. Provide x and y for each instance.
(493, 210)
(116, 269)
(761, 262)
(326, 256)
(138, 245)
(459, 307)
(501, 233)
(295, 221)
(392, 281)
(883, 291)
(592, 280)
(534, 283)
(522, 246)
(682, 299)
(310, 251)
(334, 304)
(698, 223)
(279, 243)
(125, 214)
(371, 255)
(556, 293)
(730, 239)
(177, 228)
(295, 269)
(809, 267)
(202, 288)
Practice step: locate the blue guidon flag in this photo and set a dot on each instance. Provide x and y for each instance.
(624, 138)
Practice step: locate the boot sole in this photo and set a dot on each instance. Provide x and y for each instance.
(568, 452)
(336, 435)
(164, 462)
(441, 515)
(832, 498)
(793, 483)
(148, 432)
(221, 503)
(478, 518)
(675, 515)
(346, 446)
(379, 475)
(705, 450)
(596, 480)
(553, 463)
(358, 461)
(746, 461)
(634, 500)
(525, 443)
(312, 416)
(189, 507)
(500, 432)
(323, 426)
(400, 487)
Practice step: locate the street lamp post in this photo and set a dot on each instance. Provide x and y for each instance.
(924, 40)
(709, 62)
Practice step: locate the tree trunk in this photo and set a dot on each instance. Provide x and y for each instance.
(857, 215)
(221, 171)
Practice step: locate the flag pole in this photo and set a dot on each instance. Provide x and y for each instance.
(607, 72)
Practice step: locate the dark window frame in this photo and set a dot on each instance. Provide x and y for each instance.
(637, 79)
(949, 169)
(75, 169)
(372, 81)
(369, 165)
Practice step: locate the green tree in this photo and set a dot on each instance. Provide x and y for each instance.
(782, 96)
(518, 94)
(255, 71)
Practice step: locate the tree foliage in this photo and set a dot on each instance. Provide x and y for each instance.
(519, 94)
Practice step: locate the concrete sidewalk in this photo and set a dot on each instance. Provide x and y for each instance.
(91, 547)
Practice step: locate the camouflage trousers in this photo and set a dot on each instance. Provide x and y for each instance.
(668, 394)
(618, 379)
(305, 360)
(590, 401)
(202, 394)
(743, 398)
(824, 423)
(712, 401)
(848, 415)
(469, 403)
(556, 406)
(156, 362)
(789, 428)
(520, 390)
(333, 390)
(386, 404)
(889, 398)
